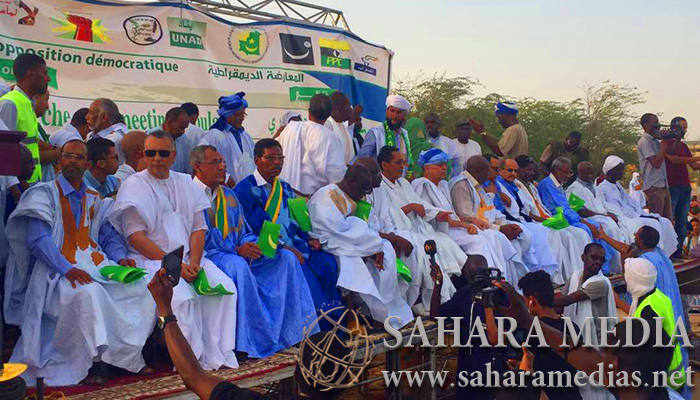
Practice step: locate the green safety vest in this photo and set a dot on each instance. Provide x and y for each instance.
(27, 122)
(661, 305)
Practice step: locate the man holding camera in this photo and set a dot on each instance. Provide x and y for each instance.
(678, 157)
(652, 154)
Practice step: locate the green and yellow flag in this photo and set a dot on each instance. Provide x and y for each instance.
(363, 209)
(300, 212)
(203, 288)
(221, 215)
(269, 238)
(274, 202)
(122, 274)
(576, 202)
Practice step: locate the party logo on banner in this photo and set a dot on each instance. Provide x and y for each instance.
(335, 53)
(84, 29)
(143, 30)
(187, 33)
(11, 8)
(247, 44)
(296, 49)
(365, 66)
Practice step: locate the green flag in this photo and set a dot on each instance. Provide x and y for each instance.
(202, 286)
(122, 274)
(363, 209)
(557, 221)
(576, 202)
(269, 238)
(300, 212)
(403, 271)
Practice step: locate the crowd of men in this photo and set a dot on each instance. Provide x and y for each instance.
(318, 219)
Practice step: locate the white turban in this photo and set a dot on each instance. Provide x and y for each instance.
(399, 102)
(612, 162)
(640, 277)
(289, 115)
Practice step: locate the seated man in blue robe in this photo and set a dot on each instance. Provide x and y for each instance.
(320, 268)
(551, 190)
(274, 301)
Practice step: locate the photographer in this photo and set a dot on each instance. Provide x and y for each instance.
(678, 157)
(652, 155)
(462, 304)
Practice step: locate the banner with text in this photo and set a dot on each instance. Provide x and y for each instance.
(151, 57)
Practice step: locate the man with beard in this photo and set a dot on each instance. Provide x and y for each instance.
(176, 121)
(105, 121)
(59, 240)
(514, 141)
(391, 133)
(230, 137)
(630, 216)
(16, 108)
(338, 122)
(254, 192)
(367, 262)
(442, 142)
(102, 156)
(315, 156)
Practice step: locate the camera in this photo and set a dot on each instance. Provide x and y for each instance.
(672, 131)
(484, 291)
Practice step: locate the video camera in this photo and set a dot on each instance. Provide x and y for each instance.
(672, 131)
(484, 291)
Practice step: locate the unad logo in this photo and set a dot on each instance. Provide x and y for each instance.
(187, 33)
(143, 30)
(81, 28)
(248, 45)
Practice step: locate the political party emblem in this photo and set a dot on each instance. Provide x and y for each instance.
(81, 28)
(187, 33)
(143, 30)
(248, 45)
(335, 53)
(296, 49)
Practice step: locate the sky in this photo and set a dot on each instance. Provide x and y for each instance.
(545, 49)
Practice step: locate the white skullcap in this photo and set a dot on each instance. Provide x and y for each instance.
(640, 277)
(635, 175)
(399, 102)
(612, 162)
(289, 115)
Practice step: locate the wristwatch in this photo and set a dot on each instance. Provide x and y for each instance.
(162, 321)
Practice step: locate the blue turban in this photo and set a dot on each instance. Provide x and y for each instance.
(507, 107)
(432, 156)
(229, 105)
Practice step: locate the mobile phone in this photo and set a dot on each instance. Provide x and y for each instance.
(172, 262)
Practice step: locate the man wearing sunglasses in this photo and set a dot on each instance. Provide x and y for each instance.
(158, 210)
(60, 291)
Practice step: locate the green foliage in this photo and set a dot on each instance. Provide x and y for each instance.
(602, 114)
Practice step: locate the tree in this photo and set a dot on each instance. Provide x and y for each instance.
(610, 127)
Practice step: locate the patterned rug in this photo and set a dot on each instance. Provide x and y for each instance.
(172, 384)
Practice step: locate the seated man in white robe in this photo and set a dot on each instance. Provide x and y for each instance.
(158, 210)
(314, 156)
(630, 216)
(435, 190)
(589, 293)
(566, 244)
(507, 193)
(572, 238)
(410, 213)
(367, 262)
(473, 204)
(69, 313)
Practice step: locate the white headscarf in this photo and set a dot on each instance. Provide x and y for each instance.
(399, 102)
(612, 162)
(640, 277)
(289, 115)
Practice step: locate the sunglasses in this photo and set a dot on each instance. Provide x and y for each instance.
(152, 153)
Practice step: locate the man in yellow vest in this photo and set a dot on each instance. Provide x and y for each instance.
(16, 107)
(648, 302)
